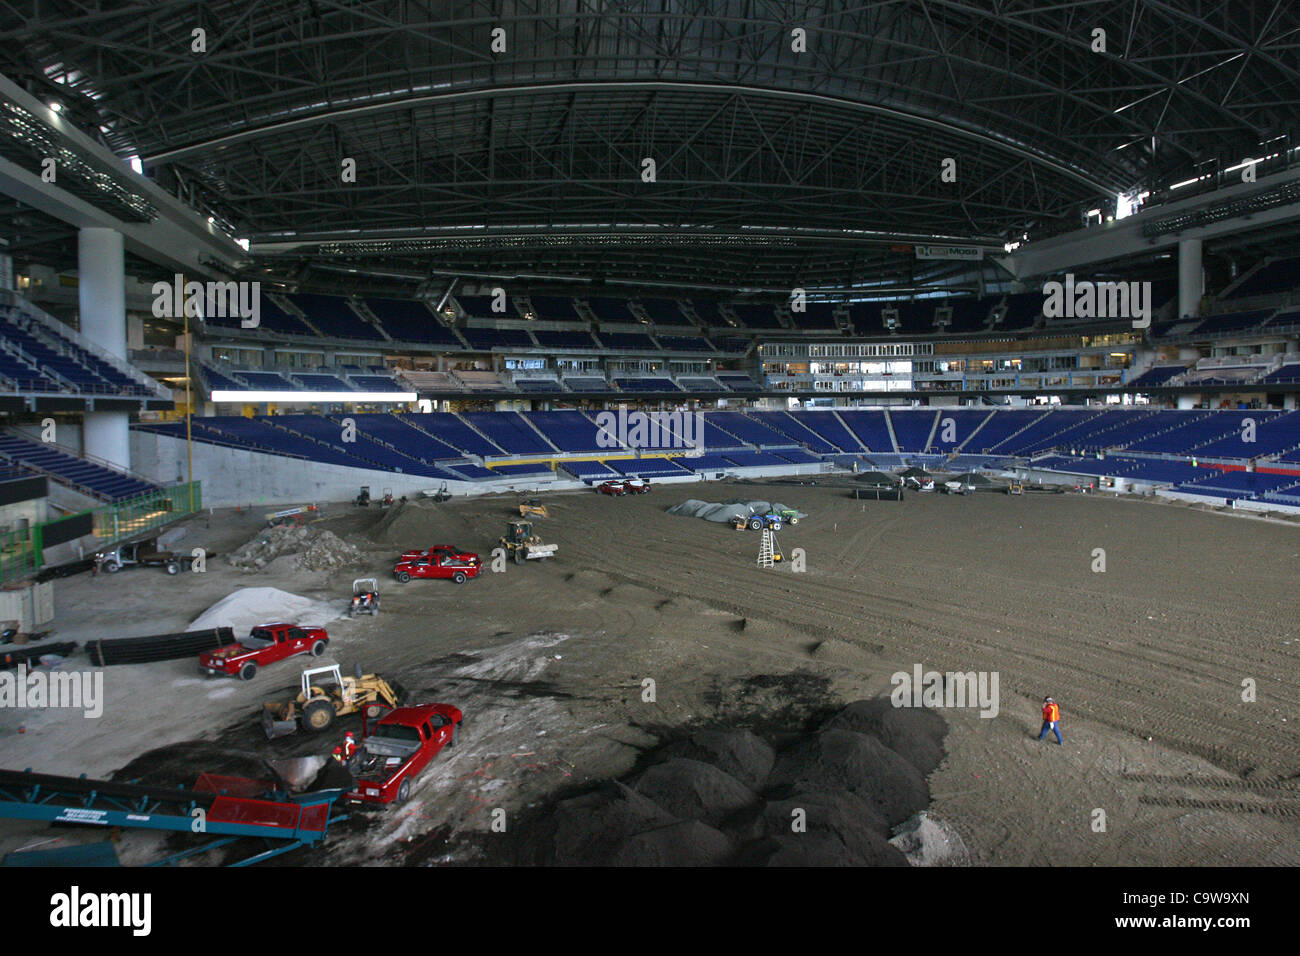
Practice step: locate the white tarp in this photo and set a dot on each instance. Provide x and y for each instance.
(725, 511)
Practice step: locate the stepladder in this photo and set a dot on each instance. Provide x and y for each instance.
(769, 550)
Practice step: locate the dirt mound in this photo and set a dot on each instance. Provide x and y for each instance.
(692, 790)
(725, 797)
(914, 733)
(328, 552)
(926, 841)
(738, 753)
(822, 849)
(878, 479)
(840, 812)
(589, 830)
(407, 521)
(689, 843)
(842, 759)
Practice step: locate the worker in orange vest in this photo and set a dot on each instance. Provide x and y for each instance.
(1051, 719)
(349, 746)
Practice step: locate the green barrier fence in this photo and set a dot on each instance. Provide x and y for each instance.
(17, 555)
(23, 553)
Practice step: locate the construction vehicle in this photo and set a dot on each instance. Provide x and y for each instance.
(231, 809)
(387, 500)
(325, 695)
(299, 515)
(533, 507)
(145, 554)
(365, 597)
(1017, 487)
(439, 496)
(362, 499)
(265, 644)
(757, 522)
(520, 541)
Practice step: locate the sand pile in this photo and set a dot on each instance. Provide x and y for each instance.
(320, 550)
(246, 608)
(718, 797)
(926, 841)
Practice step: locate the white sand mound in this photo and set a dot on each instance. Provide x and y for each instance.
(926, 841)
(245, 608)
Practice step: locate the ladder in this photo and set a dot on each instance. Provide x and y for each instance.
(769, 550)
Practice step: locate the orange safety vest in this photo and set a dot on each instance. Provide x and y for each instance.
(1051, 713)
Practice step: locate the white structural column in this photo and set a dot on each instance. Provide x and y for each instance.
(1191, 279)
(101, 292)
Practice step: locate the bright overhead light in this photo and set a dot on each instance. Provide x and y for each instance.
(56, 106)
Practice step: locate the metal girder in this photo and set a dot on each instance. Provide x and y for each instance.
(172, 236)
(1126, 239)
(747, 129)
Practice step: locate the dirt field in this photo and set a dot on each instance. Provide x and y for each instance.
(548, 660)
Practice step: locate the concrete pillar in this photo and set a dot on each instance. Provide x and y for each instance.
(1191, 277)
(108, 436)
(101, 294)
(101, 288)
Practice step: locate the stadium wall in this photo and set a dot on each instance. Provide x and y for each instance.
(233, 476)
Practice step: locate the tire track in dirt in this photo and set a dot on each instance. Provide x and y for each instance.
(1135, 655)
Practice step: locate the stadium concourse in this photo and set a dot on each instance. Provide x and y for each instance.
(410, 342)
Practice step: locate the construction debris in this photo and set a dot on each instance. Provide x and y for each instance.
(319, 550)
(328, 552)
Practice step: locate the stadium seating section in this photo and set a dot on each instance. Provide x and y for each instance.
(91, 478)
(39, 354)
(1180, 448)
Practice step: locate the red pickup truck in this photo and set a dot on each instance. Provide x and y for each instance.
(402, 744)
(265, 644)
(440, 561)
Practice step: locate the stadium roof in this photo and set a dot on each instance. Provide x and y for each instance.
(781, 158)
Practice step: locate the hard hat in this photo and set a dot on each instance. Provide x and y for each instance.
(338, 750)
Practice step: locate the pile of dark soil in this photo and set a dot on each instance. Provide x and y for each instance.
(829, 797)
(877, 478)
